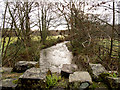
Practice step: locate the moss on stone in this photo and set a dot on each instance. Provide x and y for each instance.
(15, 81)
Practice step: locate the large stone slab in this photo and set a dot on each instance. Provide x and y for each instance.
(33, 73)
(54, 57)
(95, 70)
(8, 84)
(22, 66)
(81, 76)
(32, 78)
(68, 69)
(80, 80)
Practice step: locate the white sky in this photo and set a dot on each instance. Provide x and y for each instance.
(99, 10)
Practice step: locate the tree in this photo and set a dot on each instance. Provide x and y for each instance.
(88, 29)
(45, 18)
(111, 47)
(18, 20)
(23, 9)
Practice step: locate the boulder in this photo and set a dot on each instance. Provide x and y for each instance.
(33, 73)
(81, 76)
(32, 78)
(95, 70)
(5, 70)
(55, 69)
(1, 70)
(80, 79)
(84, 85)
(68, 69)
(8, 84)
(22, 66)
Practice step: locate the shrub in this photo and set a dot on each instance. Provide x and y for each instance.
(51, 80)
(114, 75)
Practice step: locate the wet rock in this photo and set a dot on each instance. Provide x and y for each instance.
(32, 78)
(80, 79)
(113, 82)
(84, 85)
(22, 66)
(95, 70)
(68, 69)
(8, 84)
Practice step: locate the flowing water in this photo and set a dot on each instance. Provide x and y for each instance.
(54, 57)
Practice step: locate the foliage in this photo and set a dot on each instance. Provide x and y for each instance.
(97, 85)
(62, 83)
(52, 80)
(15, 81)
(93, 86)
(113, 74)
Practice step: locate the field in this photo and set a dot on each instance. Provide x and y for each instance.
(34, 38)
(18, 51)
(106, 43)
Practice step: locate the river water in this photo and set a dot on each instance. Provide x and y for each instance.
(54, 57)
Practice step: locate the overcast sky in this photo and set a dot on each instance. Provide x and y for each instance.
(99, 10)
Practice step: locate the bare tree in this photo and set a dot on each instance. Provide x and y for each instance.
(88, 30)
(46, 17)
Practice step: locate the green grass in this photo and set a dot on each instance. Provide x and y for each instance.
(98, 85)
(13, 39)
(107, 43)
(15, 81)
(52, 80)
(36, 38)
